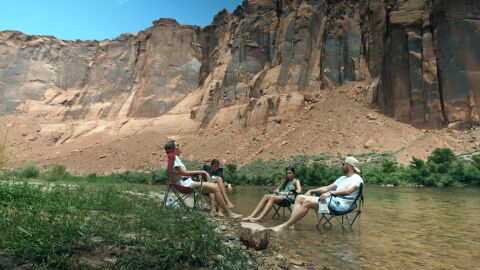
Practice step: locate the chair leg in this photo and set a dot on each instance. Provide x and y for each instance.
(352, 221)
(165, 197)
(276, 214)
(323, 221)
(181, 199)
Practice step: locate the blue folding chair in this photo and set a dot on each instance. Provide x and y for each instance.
(346, 219)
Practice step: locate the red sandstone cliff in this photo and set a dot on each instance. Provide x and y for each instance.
(422, 57)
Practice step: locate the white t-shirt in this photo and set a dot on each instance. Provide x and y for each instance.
(177, 163)
(344, 182)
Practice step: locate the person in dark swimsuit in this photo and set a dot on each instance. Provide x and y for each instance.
(283, 195)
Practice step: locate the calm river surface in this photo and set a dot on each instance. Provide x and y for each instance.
(400, 228)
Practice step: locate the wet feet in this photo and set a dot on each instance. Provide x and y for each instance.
(278, 228)
(247, 219)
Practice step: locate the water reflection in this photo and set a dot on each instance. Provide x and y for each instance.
(399, 228)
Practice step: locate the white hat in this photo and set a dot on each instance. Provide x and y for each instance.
(354, 162)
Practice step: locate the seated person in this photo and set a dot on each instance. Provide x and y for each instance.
(282, 193)
(216, 176)
(177, 171)
(344, 188)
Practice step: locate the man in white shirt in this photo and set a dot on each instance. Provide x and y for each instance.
(345, 189)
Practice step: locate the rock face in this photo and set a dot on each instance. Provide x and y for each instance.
(254, 235)
(259, 63)
(429, 72)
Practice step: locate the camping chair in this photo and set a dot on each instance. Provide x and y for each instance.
(284, 204)
(345, 218)
(209, 169)
(181, 194)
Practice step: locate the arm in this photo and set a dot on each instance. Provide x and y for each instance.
(182, 171)
(298, 187)
(342, 192)
(277, 190)
(321, 190)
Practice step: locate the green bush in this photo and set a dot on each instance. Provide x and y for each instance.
(29, 170)
(56, 172)
(442, 169)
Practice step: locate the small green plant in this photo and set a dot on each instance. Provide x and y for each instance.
(56, 172)
(29, 170)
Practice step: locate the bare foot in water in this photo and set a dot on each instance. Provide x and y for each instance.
(255, 219)
(278, 228)
(231, 206)
(247, 219)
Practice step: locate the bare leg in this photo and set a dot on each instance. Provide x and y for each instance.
(213, 207)
(268, 206)
(259, 208)
(213, 188)
(302, 204)
(221, 185)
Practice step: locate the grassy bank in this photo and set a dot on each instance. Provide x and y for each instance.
(84, 227)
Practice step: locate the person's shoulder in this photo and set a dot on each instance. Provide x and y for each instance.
(337, 182)
(357, 178)
(178, 161)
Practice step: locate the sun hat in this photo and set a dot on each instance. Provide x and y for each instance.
(354, 162)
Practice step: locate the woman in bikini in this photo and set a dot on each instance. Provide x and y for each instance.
(285, 192)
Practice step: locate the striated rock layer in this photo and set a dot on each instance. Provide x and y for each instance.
(266, 60)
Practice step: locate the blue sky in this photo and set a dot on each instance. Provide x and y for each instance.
(103, 19)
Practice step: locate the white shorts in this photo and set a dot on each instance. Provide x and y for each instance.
(186, 182)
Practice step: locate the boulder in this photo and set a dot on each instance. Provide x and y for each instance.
(368, 144)
(254, 235)
(296, 262)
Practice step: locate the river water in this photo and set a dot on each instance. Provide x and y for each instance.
(400, 228)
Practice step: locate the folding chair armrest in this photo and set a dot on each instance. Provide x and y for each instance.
(198, 177)
(270, 191)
